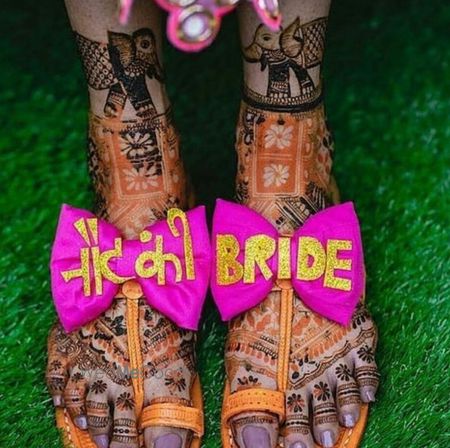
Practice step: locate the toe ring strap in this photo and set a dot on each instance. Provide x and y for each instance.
(254, 400)
(173, 415)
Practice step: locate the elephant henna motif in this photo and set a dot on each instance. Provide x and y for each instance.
(288, 57)
(121, 66)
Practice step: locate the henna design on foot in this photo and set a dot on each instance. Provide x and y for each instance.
(284, 172)
(121, 65)
(293, 51)
(137, 175)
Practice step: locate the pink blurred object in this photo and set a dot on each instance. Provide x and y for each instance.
(125, 8)
(193, 24)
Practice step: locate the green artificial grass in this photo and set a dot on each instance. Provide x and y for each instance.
(387, 71)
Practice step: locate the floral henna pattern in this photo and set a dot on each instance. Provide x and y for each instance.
(366, 354)
(271, 146)
(99, 387)
(137, 170)
(322, 391)
(125, 401)
(175, 381)
(343, 372)
(295, 403)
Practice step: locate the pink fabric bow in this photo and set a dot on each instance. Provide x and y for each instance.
(193, 26)
(339, 256)
(90, 260)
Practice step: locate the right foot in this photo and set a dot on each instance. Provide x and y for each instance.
(137, 175)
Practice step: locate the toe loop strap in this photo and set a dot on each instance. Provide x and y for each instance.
(173, 415)
(254, 400)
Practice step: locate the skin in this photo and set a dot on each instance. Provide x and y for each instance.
(137, 174)
(285, 153)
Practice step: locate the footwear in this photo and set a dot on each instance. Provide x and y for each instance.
(179, 249)
(250, 261)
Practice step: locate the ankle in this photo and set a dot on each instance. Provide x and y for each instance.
(283, 69)
(284, 164)
(136, 170)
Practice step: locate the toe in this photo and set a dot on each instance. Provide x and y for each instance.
(347, 396)
(160, 437)
(325, 421)
(297, 426)
(124, 431)
(57, 373)
(255, 430)
(366, 372)
(74, 398)
(98, 414)
(169, 360)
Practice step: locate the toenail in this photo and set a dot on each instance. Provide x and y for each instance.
(326, 439)
(368, 395)
(57, 400)
(101, 441)
(168, 441)
(255, 437)
(297, 445)
(81, 422)
(349, 420)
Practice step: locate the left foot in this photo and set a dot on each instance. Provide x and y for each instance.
(284, 174)
(285, 153)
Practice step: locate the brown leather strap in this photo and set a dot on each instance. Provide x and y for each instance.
(173, 415)
(254, 400)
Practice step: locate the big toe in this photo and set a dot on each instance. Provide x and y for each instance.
(258, 430)
(159, 437)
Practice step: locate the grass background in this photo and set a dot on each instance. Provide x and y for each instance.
(387, 74)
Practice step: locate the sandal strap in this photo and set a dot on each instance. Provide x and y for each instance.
(173, 415)
(254, 400)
